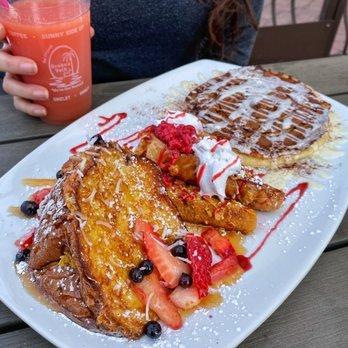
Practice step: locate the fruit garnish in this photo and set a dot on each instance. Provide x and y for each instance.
(200, 256)
(221, 245)
(136, 275)
(29, 208)
(185, 298)
(40, 195)
(153, 329)
(141, 227)
(25, 241)
(22, 255)
(97, 139)
(244, 262)
(224, 269)
(146, 267)
(185, 280)
(167, 179)
(179, 250)
(176, 137)
(59, 174)
(169, 267)
(159, 301)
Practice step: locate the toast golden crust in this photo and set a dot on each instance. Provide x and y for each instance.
(94, 206)
(250, 192)
(198, 209)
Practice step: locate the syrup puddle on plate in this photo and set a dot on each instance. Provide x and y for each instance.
(38, 182)
(16, 211)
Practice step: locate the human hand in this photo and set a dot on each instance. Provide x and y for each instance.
(24, 95)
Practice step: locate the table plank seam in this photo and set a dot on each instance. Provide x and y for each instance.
(335, 245)
(13, 327)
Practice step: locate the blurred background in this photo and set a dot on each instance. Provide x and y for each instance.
(302, 29)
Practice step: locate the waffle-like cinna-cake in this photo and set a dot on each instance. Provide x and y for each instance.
(271, 118)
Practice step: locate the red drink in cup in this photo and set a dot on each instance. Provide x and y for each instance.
(56, 35)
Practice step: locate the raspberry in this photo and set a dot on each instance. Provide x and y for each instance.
(200, 256)
(40, 195)
(179, 138)
(26, 241)
(167, 180)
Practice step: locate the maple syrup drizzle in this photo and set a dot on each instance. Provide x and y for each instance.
(118, 116)
(33, 182)
(16, 211)
(301, 188)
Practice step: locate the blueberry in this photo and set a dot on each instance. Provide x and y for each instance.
(22, 255)
(29, 208)
(136, 275)
(97, 140)
(185, 280)
(146, 267)
(153, 329)
(180, 251)
(59, 174)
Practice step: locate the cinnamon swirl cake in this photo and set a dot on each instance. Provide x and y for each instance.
(271, 118)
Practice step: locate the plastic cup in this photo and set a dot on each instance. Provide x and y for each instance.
(56, 35)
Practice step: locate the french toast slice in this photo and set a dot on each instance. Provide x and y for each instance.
(205, 210)
(89, 215)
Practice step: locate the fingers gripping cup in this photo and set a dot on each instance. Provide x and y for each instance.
(56, 35)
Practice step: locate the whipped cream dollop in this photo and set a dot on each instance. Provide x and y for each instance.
(217, 162)
(185, 118)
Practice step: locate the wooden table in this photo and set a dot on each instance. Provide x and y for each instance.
(314, 315)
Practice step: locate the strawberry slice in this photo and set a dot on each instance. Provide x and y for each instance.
(169, 267)
(159, 301)
(224, 269)
(221, 245)
(200, 256)
(25, 241)
(185, 298)
(141, 228)
(40, 195)
(244, 262)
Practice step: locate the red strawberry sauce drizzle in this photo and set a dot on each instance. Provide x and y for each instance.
(200, 172)
(218, 174)
(118, 117)
(301, 189)
(219, 143)
(135, 136)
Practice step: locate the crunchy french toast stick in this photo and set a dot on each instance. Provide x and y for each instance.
(194, 208)
(254, 194)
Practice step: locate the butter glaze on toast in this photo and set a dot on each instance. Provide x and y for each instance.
(89, 215)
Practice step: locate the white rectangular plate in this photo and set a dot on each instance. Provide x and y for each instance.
(285, 259)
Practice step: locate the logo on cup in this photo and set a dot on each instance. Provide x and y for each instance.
(64, 64)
